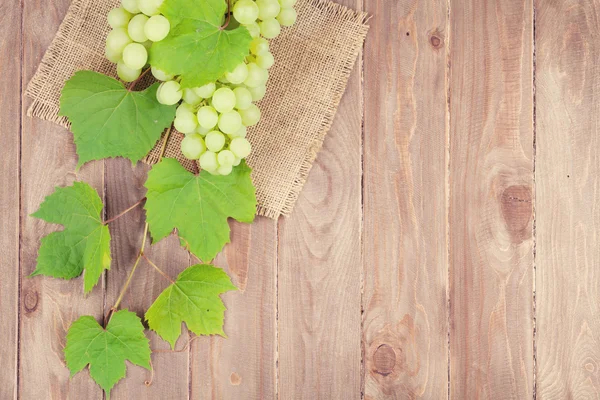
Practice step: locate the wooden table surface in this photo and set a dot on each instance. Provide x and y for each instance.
(446, 243)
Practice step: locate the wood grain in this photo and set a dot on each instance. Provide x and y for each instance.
(10, 102)
(567, 194)
(48, 305)
(491, 200)
(405, 270)
(319, 267)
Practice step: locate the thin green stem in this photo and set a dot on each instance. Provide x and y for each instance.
(160, 271)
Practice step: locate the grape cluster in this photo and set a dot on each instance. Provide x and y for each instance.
(213, 117)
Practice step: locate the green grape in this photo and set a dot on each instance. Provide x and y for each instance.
(254, 29)
(223, 100)
(208, 117)
(256, 76)
(208, 161)
(225, 157)
(118, 17)
(258, 93)
(251, 115)
(230, 122)
(186, 123)
(169, 93)
(190, 97)
(149, 7)
(112, 56)
(157, 28)
(117, 39)
(131, 6)
(127, 74)
(242, 132)
(287, 3)
(225, 169)
(135, 29)
(185, 108)
(135, 55)
(160, 74)
(259, 45)
(237, 161)
(243, 98)
(287, 17)
(238, 75)
(240, 147)
(245, 11)
(215, 141)
(267, 9)
(269, 28)
(192, 146)
(202, 131)
(206, 91)
(265, 60)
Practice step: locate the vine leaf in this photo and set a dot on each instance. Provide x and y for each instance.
(194, 299)
(197, 205)
(108, 120)
(84, 244)
(106, 350)
(196, 47)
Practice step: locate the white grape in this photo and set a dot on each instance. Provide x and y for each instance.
(135, 55)
(268, 8)
(160, 74)
(287, 16)
(150, 7)
(112, 56)
(265, 60)
(256, 76)
(259, 45)
(131, 6)
(287, 3)
(243, 98)
(157, 28)
(237, 161)
(225, 169)
(258, 93)
(202, 131)
(242, 132)
(208, 117)
(206, 91)
(254, 29)
(226, 157)
(192, 146)
(230, 122)
(127, 74)
(250, 116)
(184, 108)
(245, 11)
(215, 141)
(240, 147)
(135, 29)
(208, 161)
(238, 75)
(117, 39)
(169, 93)
(223, 100)
(269, 28)
(186, 123)
(118, 17)
(190, 97)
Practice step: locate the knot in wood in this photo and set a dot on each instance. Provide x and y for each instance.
(384, 359)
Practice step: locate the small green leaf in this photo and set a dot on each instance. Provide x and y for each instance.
(193, 299)
(84, 244)
(197, 205)
(106, 350)
(108, 120)
(196, 47)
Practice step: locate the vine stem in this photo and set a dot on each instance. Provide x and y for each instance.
(160, 271)
(116, 217)
(228, 18)
(132, 84)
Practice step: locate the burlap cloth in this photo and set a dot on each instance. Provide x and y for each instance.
(313, 61)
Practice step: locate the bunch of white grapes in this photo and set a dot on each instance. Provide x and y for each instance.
(213, 117)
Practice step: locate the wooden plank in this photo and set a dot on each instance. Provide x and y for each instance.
(491, 210)
(48, 305)
(124, 187)
(567, 184)
(243, 365)
(319, 266)
(10, 117)
(405, 268)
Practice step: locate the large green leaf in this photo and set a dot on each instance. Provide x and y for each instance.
(196, 47)
(197, 205)
(108, 120)
(84, 244)
(193, 299)
(105, 350)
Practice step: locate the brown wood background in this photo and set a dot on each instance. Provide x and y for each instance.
(446, 245)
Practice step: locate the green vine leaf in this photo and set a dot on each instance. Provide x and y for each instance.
(84, 244)
(196, 47)
(108, 120)
(194, 299)
(198, 206)
(106, 350)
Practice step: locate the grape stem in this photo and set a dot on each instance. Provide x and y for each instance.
(132, 84)
(228, 15)
(116, 217)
